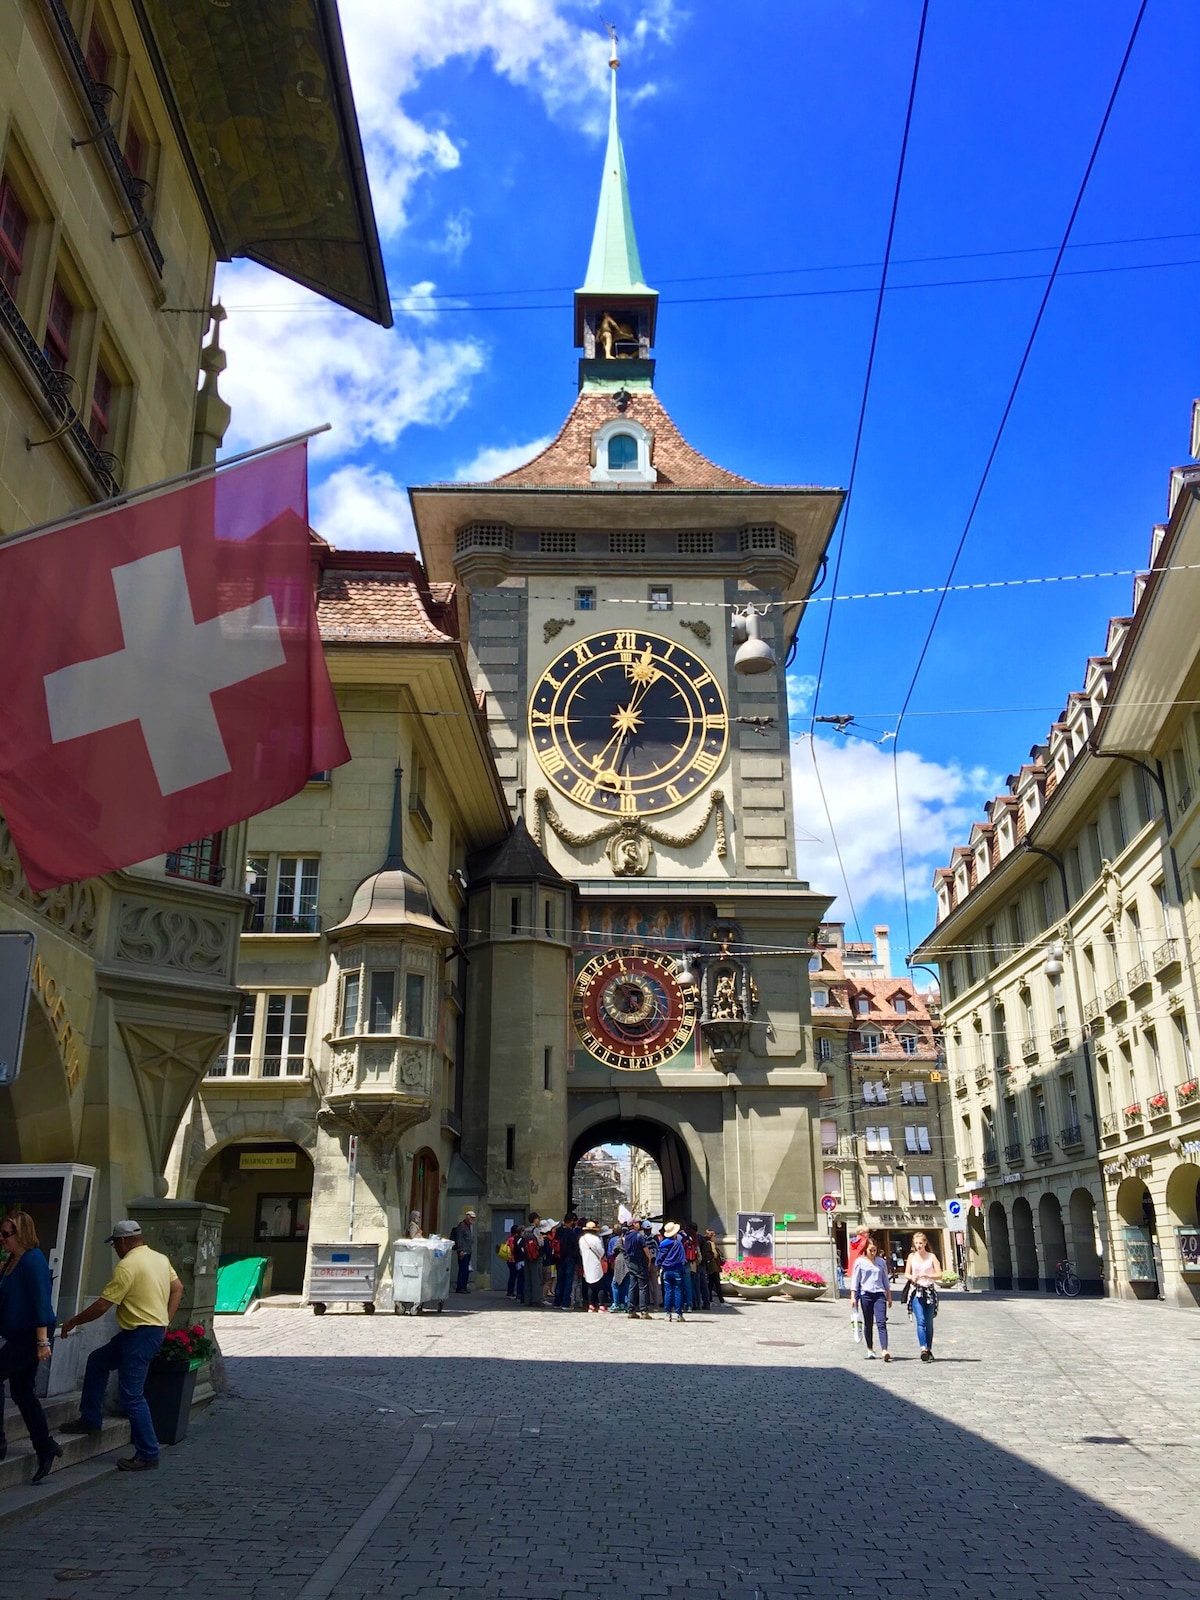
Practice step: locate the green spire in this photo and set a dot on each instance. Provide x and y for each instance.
(614, 266)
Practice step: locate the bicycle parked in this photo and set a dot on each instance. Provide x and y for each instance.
(1066, 1279)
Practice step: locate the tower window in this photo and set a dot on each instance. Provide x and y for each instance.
(585, 599)
(510, 1147)
(660, 597)
(622, 453)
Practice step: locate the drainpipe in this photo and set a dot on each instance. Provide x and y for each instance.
(1086, 1046)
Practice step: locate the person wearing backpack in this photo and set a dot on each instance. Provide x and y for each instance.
(568, 1233)
(638, 1262)
(531, 1241)
(672, 1266)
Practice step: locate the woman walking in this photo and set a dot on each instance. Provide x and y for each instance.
(871, 1292)
(26, 1322)
(922, 1270)
(592, 1259)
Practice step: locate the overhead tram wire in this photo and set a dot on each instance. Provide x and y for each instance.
(992, 453)
(858, 436)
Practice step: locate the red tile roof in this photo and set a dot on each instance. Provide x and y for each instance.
(567, 461)
(382, 597)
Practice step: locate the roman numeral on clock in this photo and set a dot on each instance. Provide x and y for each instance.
(583, 790)
(708, 762)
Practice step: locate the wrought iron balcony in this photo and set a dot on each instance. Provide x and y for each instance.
(1114, 995)
(1187, 1094)
(1040, 1144)
(289, 922)
(237, 1069)
(1138, 975)
(1060, 1035)
(1029, 1049)
(990, 1156)
(1132, 1115)
(199, 862)
(1166, 955)
(1014, 1154)
(1071, 1136)
(1092, 1009)
(1159, 1104)
(1110, 1125)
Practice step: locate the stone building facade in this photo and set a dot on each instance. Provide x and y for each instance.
(109, 237)
(1066, 939)
(887, 1142)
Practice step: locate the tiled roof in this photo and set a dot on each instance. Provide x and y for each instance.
(567, 461)
(383, 607)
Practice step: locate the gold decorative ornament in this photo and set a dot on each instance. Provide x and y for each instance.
(699, 627)
(630, 837)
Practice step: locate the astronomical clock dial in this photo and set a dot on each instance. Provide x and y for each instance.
(628, 723)
(630, 1010)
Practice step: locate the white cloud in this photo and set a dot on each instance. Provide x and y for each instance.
(938, 804)
(555, 48)
(495, 459)
(361, 508)
(308, 362)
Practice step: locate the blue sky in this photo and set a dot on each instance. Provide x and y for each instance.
(761, 146)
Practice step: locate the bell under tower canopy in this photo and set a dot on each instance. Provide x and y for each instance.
(615, 310)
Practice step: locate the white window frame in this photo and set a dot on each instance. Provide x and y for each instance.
(292, 1064)
(643, 474)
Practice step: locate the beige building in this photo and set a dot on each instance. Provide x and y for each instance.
(351, 962)
(645, 1184)
(119, 128)
(1066, 937)
(887, 1141)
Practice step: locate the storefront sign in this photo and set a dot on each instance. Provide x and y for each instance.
(1113, 1170)
(1138, 1163)
(1190, 1147)
(45, 986)
(1189, 1249)
(259, 1159)
(1012, 1177)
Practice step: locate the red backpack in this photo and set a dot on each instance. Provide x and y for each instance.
(689, 1249)
(532, 1248)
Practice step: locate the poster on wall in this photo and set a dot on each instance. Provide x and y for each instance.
(1139, 1255)
(756, 1235)
(1189, 1249)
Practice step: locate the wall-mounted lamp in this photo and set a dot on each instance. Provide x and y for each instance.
(1052, 967)
(753, 654)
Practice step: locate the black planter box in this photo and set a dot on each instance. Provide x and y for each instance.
(169, 1393)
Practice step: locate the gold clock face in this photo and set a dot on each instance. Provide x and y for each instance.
(630, 1011)
(628, 723)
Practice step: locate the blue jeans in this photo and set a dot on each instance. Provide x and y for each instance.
(672, 1286)
(923, 1317)
(130, 1353)
(689, 1289)
(620, 1294)
(874, 1314)
(565, 1282)
(464, 1273)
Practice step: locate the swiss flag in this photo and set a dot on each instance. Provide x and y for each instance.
(163, 675)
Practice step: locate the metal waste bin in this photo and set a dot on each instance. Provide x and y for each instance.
(421, 1274)
(343, 1273)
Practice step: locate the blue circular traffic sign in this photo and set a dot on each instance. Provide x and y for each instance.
(829, 1202)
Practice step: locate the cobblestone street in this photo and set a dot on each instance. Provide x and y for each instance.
(1051, 1450)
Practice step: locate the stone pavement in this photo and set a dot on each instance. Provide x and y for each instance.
(492, 1453)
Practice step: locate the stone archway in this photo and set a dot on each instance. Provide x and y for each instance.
(1000, 1247)
(1024, 1244)
(1054, 1237)
(212, 1130)
(266, 1186)
(1085, 1248)
(1134, 1206)
(35, 1111)
(665, 1146)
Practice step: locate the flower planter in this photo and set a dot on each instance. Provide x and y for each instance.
(758, 1291)
(169, 1392)
(802, 1291)
(728, 1286)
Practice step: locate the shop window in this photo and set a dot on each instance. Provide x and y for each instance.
(282, 1217)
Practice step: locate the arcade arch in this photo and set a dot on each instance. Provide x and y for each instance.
(267, 1186)
(1000, 1247)
(1025, 1243)
(1054, 1237)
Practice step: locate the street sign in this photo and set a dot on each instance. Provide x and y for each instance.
(977, 1202)
(957, 1212)
(17, 950)
(829, 1203)
(789, 1216)
(352, 1155)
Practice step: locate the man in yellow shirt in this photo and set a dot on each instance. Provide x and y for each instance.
(146, 1291)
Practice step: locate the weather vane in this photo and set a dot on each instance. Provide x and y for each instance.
(614, 59)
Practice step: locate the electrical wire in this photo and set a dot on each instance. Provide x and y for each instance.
(995, 447)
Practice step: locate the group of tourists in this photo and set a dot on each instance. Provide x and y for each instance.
(632, 1269)
(871, 1291)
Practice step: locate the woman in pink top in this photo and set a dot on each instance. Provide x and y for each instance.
(923, 1270)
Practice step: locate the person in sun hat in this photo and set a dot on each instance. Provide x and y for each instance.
(462, 1235)
(592, 1261)
(672, 1264)
(146, 1290)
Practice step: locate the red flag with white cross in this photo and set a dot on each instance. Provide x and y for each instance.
(163, 671)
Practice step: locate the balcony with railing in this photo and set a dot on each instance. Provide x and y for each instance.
(1092, 1011)
(234, 1072)
(1166, 955)
(1114, 995)
(1060, 1035)
(199, 862)
(960, 1083)
(1110, 1125)
(991, 1157)
(1014, 1154)
(1071, 1137)
(1131, 1116)
(982, 1076)
(1187, 1094)
(1040, 1144)
(1029, 1049)
(1139, 975)
(303, 922)
(1158, 1104)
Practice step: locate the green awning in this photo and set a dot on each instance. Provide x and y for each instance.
(260, 96)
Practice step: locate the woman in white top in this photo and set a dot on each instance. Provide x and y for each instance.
(871, 1290)
(923, 1270)
(592, 1259)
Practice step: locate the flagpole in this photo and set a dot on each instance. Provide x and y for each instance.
(126, 495)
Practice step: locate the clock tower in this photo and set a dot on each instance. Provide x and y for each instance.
(638, 963)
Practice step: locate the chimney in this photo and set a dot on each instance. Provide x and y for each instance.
(883, 954)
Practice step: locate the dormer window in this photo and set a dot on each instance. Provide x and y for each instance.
(621, 451)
